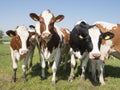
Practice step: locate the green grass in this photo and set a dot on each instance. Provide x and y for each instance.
(112, 76)
(5, 39)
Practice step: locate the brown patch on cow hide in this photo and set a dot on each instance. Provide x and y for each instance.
(66, 35)
(116, 39)
(15, 43)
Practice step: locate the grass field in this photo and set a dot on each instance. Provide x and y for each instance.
(112, 76)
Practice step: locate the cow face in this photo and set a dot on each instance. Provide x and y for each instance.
(19, 40)
(98, 37)
(80, 39)
(46, 20)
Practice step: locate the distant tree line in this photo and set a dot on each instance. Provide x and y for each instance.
(1, 33)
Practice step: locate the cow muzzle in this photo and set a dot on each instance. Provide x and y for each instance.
(23, 52)
(46, 35)
(94, 55)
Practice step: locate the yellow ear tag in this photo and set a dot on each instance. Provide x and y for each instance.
(33, 36)
(107, 37)
(35, 19)
(11, 35)
(58, 20)
(32, 28)
(80, 36)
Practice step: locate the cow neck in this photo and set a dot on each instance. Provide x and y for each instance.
(52, 43)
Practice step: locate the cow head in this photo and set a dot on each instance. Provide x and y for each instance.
(20, 39)
(80, 36)
(46, 20)
(98, 37)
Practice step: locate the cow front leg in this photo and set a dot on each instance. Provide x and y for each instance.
(84, 65)
(73, 62)
(93, 70)
(14, 61)
(24, 72)
(55, 65)
(25, 67)
(43, 65)
(31, 57)
(101, 76)
(14, 75)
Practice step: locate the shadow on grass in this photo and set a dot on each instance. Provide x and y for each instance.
(36, 71)
(112, 71)
(60, 75)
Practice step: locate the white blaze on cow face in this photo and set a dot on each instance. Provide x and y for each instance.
(94, 34)
(37, 28)
(22, 32)
(47, 16)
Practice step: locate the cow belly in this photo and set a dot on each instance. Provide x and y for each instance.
(115, 54)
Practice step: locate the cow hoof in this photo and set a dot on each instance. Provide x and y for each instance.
(25, 80)
(70, 79)
(13, 79)
(82, 78)
(43, 78)
(102, 84)
(53, 83)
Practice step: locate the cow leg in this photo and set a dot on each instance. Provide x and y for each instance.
(93, 70)
(101, 76)
(65, 63)
(14, 75)
(73, 62)
(43, 65)
(84, 65)
(31, 57)
(25, 67)
(55, 65)
(14, 67)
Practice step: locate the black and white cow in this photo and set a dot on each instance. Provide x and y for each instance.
(81, 45)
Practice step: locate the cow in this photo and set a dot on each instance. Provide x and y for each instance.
(80, 46)
(85, 41)
(54, 40)
(105, 42)
(22, 45)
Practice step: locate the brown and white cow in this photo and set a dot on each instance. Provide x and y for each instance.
(54, 41)
(22, 45)
(105, 45)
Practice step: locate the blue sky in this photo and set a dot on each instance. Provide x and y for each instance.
(16, 12)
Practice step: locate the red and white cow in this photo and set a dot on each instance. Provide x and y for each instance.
(54, 41)
(105, 45)
(22, 45)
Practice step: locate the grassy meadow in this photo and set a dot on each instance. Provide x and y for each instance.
(34, 82)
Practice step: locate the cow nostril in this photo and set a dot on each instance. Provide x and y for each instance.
(45, 35)
(24, 52)
(96, 55)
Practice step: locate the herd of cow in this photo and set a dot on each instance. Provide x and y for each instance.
(85, 42)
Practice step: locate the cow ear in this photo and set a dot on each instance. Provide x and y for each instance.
(108, 35)
(34, 16)
(59, 18)
(11, 33)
